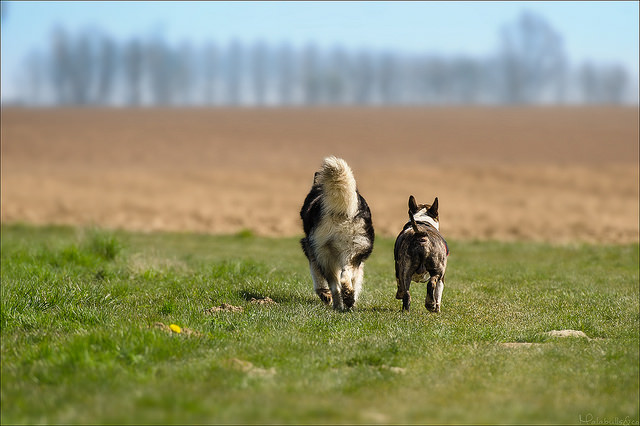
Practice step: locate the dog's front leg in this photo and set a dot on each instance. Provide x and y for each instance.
(346, 286)
(357, 281)
(437, 294)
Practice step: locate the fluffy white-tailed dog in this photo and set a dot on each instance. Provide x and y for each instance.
(338, 234)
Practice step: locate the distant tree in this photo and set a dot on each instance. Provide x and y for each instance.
(159, 69)
(82, 70)
(233, 74)
(107, 66)
(61, 72)
(182, 75)
(286, 71)
(259, 71)
(615, 84)
(414, 86)
(211, 71)
(133, 72)
(362, 78)
(339, 76)
(36, 77)
(467, 80)
(388, 78)
(406, 80)
(437, 75)
(311, 80)
(588, 83)
(31, 83)
(533, 59)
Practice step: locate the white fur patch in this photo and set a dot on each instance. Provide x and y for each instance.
(421, 278)
(337, 241)
(422, 216)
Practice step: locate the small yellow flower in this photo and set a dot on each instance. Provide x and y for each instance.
(175, 328)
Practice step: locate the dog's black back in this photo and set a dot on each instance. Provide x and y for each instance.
(311, 213)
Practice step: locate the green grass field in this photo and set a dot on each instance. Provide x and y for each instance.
(79, 343)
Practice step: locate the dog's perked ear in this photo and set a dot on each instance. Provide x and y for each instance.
(413, 206)
(433, 210)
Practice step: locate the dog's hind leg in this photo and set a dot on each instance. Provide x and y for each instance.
(320, 284)
(437, 294)
(430, 301)
(400, 291)
(346, 286)
(404, 284)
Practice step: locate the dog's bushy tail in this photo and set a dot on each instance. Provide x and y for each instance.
(338, 187)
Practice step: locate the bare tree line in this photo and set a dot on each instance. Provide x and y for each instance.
(530, 67)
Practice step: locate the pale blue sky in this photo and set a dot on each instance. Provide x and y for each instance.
(605, 31)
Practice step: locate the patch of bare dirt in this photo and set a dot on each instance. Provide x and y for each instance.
(517, 345)
(533, 174)
(567, 333)
(396, 370)
(250, 369)
(263, 301)
(225, 307)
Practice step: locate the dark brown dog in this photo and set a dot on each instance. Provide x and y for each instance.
(421, 254)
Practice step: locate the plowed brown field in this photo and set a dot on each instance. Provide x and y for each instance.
(550, 174)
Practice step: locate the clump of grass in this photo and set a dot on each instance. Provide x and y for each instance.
(245, 233)
(167, 307)
(103, 244)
